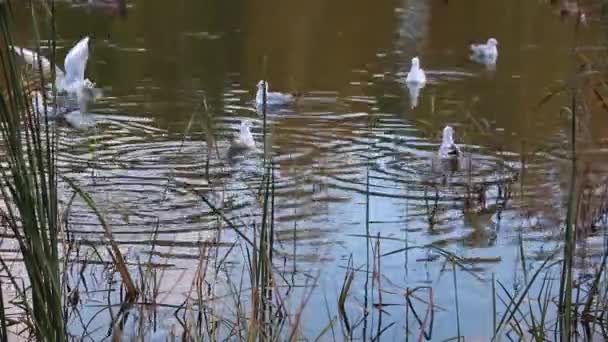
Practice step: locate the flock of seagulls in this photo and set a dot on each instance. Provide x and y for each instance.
(486, 54)
(72, 82)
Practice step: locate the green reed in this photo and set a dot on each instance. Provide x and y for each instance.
(29, 191)
(580, 305)
(565, 287)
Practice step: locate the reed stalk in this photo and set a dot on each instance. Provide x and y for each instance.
(29, 188)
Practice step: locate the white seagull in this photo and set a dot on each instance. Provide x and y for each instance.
(485, 52)
(448, 149)
(415, 81)
(272, 98)
(71, 81)
(416, 74)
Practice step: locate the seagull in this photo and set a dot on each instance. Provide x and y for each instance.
(447, 160)
(487, 52)
(415, 81)
(71, 81)
(416, 74)
(244, 140)
(272, 98)
(448, 149)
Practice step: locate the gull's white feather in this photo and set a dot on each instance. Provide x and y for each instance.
(32, 58)
(75, 65)
(245, 138)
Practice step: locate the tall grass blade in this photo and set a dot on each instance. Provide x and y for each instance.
(29, 190)
(456, 301)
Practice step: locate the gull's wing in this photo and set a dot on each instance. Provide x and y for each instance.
(31, 57)
(76, 61)
(477, 48)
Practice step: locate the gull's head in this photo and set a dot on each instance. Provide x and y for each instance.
(416, 62)
(492, 42)
(262, 84)
(448, 135)
(245, 125)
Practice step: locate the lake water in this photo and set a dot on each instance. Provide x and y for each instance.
(353, 159)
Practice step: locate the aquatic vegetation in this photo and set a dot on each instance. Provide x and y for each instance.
(29, 210)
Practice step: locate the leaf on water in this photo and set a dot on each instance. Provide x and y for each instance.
(601, 99)
(425, 122)
(548, 97)
(585, 60)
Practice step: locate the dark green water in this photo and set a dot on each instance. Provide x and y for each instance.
(160, 60)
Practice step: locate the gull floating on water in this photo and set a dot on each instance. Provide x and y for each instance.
(272, 98)
(485, 53)
(72, 81)
(447, 160)
(415, 81)
(416, 74)
(448, 149)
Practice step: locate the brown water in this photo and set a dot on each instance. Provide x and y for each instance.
(354, 124)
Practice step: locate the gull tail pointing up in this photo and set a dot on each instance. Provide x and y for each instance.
(448, 148)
